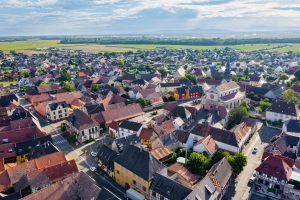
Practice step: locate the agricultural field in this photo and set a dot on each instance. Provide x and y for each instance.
(32, 46)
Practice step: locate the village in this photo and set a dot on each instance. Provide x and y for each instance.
(163, 124)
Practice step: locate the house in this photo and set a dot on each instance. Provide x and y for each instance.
(120, 144)
(183, 113)
(225, 140)
(178, 123)
(163, 154)
(147, 136)
(226, 94)
(214, 185)
(78, 185)
(127, 128)
(206, 145)
(273, 174)
(54, 111)
(165, 188)
(281, 111)
(83, 126)
(106, 157)
(181, 93)
(292, 127)
(134, 168)
(179, 173)
(123, 113)
(169, 87)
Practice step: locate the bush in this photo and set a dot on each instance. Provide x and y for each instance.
(236, 115)
(63, 128)
(72, 138)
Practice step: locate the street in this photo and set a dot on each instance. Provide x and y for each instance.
(260, 139)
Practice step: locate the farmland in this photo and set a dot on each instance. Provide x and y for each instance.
(31, 46)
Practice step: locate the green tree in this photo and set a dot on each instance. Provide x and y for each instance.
(72, 138)
(238, 162)
(289, 95)
(198, 163)
(65, 76)
(263, 105)
(143, 102)
(236, 115)
(283, 77)
(25, 73)
(121, 62)
(191, 77)
(218, 155)
(171, 98)
(69, 86)
(95, 87)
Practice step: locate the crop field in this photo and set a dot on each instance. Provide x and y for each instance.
(34, 46)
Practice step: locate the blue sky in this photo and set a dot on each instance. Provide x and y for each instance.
(78, 17)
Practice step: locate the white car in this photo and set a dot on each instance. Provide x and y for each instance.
(94, 154)
(93, 169)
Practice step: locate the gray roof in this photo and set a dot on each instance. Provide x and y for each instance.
(139, 162)
(130, 125)
(80, 120)
(293, 126)
(168, 188)
(283, 107)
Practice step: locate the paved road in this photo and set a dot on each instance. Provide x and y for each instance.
(259, 140)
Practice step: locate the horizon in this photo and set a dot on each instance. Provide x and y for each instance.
(149, 17)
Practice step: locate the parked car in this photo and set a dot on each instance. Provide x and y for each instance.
(254, 151)
(94, 154)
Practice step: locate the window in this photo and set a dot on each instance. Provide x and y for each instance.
(153, 194)
(144, 188)
(134, 182)
(118, 172)
(5, 140)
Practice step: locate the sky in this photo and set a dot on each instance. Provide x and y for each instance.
(97, 17)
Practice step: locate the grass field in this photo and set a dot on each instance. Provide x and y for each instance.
(31, 46)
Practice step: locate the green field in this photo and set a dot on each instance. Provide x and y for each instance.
(31, 46)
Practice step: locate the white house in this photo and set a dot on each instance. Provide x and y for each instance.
(281, 111)
(127, 128)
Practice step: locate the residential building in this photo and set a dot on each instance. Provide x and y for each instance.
(83, 126)
(163, 188)
(134, 168)
(214, 185)
(127, 128)
(282, 111)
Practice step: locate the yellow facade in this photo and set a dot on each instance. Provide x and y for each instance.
(128, 179)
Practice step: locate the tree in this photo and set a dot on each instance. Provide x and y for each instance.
(65, 76)
(25, 73)
(121, 62)
(191, 77)
(218, 155)
(283, 77)
(72, 138)
(43, 84)
(236, 115)
(69, 87)
(263, 105)
(95, 87)
(289, 95)
(171, 98)
(143, 102)
(198, 163)
(238, 162)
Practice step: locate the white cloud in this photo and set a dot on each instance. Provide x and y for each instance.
(27, 3)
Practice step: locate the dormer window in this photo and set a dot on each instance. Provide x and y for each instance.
(5, 140)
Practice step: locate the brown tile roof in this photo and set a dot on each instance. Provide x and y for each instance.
(160, 153)
(182, 171)
(209, 143)
(14, 174)
(148, 134)
(227, 86)
(168, 126)
(241, 130)
(77, 186)
(127, 112)
(41, 108)
(39, 98)
(68, 97)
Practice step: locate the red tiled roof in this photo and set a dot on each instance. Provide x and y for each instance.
(39, 98)
(209, 143)
(276, 166)
(127, 112)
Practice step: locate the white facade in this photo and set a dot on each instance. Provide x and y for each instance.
(272, 116)
(58, 114)
(123, 132)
